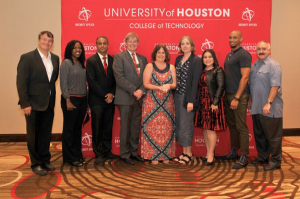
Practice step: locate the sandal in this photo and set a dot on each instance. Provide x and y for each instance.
(154, 161)
(177, 159)
(184, 161)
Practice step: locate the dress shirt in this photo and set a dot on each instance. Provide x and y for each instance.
(47, 63)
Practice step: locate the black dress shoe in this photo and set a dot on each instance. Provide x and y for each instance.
(111, 156)
(271, 167)
(128, 161)
(76, 164)
(256, 161)
(48, 167)
(138, 158)
(100, 161)
(38, 170)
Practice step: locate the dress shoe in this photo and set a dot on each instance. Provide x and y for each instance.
(111, 156)
(256, 161)
(76, 164)
(271, 167)
(48, 167)
(38, 170)
(138, 158)
(100, 161)
(232, 155)
(128, 161)
(242, 162)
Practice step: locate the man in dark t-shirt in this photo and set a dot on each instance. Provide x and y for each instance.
(237, 69)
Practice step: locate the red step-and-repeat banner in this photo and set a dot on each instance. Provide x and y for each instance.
(208, 22)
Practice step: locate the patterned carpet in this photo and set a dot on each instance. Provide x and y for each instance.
(117, 180)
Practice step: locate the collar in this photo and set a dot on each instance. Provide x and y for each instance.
(101, 56)
(43, 56)
(237, 49)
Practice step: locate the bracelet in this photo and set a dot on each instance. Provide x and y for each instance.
(269, 102)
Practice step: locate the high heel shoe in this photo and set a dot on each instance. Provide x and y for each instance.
(210, 163)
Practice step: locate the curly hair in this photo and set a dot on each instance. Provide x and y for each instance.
(157, 48)
(69, 50)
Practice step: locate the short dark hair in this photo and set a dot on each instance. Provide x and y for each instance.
(69, 50)
(49, 34)
(157, 48)
(191, 42)
(103, 38)
(213, 54)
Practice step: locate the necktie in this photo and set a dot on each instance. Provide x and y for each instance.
(134, 61)
(105, 65)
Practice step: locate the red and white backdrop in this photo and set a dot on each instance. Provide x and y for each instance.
(208, 22)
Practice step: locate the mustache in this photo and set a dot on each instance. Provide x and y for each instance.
(261, 54)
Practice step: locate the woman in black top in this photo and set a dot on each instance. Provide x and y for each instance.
(188, 70)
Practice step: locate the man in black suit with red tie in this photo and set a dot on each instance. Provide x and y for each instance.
(102, 87)
(37, 73)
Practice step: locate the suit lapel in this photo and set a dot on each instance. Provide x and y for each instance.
(130, 60)
(55, 67)
(40, 63)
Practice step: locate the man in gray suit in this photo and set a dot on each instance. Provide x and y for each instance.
(128, 69)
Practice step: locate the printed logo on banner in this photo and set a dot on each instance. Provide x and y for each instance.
(122, 46)
(84, 15)
(117, 142)
(251, 48)
(247, 15)
(199, 141)
(207, 45)
(86, 140)
(90, 48)
(250, 137)
(172, 47)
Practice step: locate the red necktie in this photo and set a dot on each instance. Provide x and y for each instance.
(134, 61)
(105, 65)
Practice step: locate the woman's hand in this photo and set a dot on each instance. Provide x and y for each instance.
(70, 106)
(165, 88)
(213, 108)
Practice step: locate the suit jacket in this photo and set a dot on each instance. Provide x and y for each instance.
(100, 84)
(127, 79)
(193, 77)
(33, 85)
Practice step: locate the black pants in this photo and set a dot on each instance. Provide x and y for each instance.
(102, 122)
(39, 127)
(72, 126)
(131, 116)
(268, 138)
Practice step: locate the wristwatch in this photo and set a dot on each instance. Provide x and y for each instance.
(236, 98)
(269, 102)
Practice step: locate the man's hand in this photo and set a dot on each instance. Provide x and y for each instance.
(27, 110)
(234, 104)
(266, 109)
(109, 98)
(138, 94)
(69, 104)
(190, 107)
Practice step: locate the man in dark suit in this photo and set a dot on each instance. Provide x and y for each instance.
(36, 75)
(102, 87)
(128, 70)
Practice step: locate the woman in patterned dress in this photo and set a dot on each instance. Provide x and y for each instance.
(188, 71)
(158, 123)
(211, 116)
